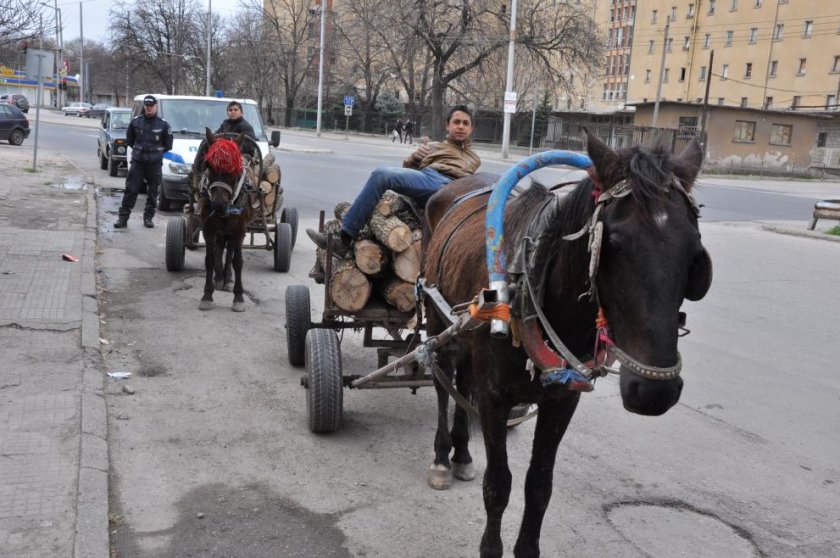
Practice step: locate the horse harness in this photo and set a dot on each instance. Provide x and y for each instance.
(558, 365)
(238, 202)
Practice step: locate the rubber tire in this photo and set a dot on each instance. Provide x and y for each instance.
(297, 323)
(282, 246)
(16, 137)
(103, 161)
(113, 167)
(176, 236)
(324, 399)
(290, 215)
(163, 202)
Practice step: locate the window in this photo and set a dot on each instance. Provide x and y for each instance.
(757, 4)
(702, 73)
(729, 36)
(744, 130)
(711, 7)
(831, 102)
(748, 71)
(734, 6)
(720, 101)
(743, 102)
(724, 71)
(682, 74)
(801, 68)
(780, 134)
(688, 123)
(836, 66)
(753, 35)
(797, 100)
(822, 139)
(667, 75)
(774, 66)
(768, 103)
(690, 11)
(685, 42)
(670, 45)
(647, 76)
(653, 16)
(707, 39)
(778, 31)
(809, 29)
(673, 13)
(650, 47)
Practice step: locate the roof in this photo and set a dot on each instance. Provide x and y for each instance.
(696, 106)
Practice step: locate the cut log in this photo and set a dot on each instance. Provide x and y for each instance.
(371, 257)
(399, 294)
(390, 203)
(391, 232)
(407, 262)
(268, 161)
(272, 173)
(341, 209)
(350, 289)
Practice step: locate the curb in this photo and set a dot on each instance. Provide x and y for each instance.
(302, 149)
(802, 234)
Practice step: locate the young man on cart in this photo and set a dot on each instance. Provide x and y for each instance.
(423, 173)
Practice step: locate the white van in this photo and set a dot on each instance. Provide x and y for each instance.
(189, 116)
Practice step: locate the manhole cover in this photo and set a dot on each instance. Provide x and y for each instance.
(669, 530)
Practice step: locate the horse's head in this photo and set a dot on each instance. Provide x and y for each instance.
(651, 259)
(223, 171)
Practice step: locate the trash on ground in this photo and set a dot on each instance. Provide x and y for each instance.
(128, 389)
(119, 375)
(69, 258)
(104, 341)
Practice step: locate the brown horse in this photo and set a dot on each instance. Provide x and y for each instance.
(225, 212)
(651, 259)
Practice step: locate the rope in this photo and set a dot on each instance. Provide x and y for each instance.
(500, 311)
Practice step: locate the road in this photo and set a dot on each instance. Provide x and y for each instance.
(211, 456)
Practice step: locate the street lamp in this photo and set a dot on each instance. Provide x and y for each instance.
(321, 72)
(509, 82)
(209, 35)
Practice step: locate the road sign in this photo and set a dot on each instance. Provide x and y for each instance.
(349, 100)
(510, 101)
(348, 110)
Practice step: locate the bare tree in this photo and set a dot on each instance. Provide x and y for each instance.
(19, 21)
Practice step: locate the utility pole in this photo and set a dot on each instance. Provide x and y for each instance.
(82, 80)
(321, 71)
(661, 72)
(509, 81)
(209, 35)
(705, 111)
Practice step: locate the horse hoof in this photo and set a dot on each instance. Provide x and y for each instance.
(228, 287)
(238, 306)
(463, 471)
(440, 477)
(206, 305)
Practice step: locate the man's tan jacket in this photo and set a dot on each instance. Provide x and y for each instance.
(454, 159)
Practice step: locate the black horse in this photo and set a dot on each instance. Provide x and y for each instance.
(225, 212)
(649, 259)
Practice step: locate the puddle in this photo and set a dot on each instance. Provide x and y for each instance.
(668, 529)
(70, 184)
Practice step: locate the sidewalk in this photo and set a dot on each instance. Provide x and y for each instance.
(53, 425)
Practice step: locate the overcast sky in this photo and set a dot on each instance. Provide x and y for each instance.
(95, 14)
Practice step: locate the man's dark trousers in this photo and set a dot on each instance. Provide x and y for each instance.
(137, 173)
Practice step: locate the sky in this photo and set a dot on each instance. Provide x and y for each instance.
(95, 14)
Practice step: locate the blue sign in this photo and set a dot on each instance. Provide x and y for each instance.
(349, 100)
(220, 93)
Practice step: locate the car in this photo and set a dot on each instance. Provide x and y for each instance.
(19, 101)
(76, 109)
(14, 126)
(97, 110)
(111, 148)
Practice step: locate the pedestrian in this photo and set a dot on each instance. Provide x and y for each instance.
(423, 173)
(396, 134)
(409, 131)
(149, 137)
(236, 124)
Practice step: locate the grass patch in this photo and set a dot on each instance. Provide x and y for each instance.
(835, 230)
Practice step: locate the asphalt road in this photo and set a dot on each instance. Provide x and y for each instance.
(211, 456)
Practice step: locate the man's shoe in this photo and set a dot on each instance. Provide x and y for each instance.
(339, 248)
(148, 223)
(121, 223)
(320, 239)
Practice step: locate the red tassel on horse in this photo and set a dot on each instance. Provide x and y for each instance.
(224, 157)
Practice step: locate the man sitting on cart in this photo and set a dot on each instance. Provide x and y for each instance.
(423, 173)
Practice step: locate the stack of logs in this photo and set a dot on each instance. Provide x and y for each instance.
(273, 197)
(385, 259)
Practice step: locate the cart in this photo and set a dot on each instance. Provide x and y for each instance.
(276, 224)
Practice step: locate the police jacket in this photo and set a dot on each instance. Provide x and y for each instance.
(148, 138)
(239, 126)
(455, 159)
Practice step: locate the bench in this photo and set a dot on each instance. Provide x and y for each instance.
(825, 209)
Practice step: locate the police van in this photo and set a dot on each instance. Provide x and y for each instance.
(189, 116)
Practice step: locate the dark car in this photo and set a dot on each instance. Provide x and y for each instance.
(96, 111)
(111, 147)
(14, 126)
(19, 101)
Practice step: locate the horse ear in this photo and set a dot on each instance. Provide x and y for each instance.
(599, 152)
(210, 137)
(699, 276)
(688, 163)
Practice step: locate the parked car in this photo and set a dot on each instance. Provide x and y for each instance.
(14, 126)
(76, 109)
(97, 110)
(19, 101)
(111, 147)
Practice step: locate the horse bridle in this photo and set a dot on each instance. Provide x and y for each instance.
(207, 187)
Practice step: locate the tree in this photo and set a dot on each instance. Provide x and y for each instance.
(19, 21)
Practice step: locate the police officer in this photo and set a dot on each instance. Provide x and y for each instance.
(149, 137)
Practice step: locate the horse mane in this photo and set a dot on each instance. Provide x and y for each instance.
(224, 157)
(648, 171)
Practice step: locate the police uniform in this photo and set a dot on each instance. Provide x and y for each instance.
(149, 139)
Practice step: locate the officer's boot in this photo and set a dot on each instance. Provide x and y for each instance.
(122, 222)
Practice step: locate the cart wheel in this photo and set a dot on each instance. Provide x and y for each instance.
(290, 215)
(176, 235)
(323, 366)
(282, 246)
(297, 323)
